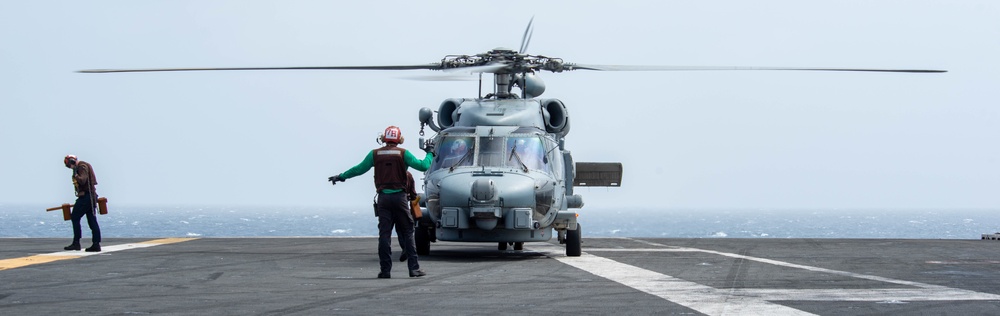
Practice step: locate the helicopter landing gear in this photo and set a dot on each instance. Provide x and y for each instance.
(517, 245)
(421, 237)
(573, 247)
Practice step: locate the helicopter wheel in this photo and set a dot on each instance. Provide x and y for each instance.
(502, 246)
(519, 246)
(573, 247)
(422, 239)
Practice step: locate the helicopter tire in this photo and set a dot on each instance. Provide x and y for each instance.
(519, 245)
(422, 240)
(502, 246)
(573, 243)
(427, 224)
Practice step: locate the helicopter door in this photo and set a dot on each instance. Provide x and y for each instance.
(598, 174)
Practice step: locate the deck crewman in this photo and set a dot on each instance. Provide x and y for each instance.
(392, 206)
(85, 188)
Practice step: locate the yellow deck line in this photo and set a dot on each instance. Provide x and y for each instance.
(13, 263)
(30, 260)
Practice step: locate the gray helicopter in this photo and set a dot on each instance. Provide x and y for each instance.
(501, 171)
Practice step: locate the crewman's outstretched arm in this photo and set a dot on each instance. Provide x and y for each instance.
(420, 165)
(361, 168)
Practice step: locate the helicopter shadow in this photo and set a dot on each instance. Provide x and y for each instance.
(481, 254)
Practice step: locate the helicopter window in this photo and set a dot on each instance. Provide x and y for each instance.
(491, 151)
(453, 153)
(527, 152)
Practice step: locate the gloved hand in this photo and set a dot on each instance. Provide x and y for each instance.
(429, 146)
(334, 179)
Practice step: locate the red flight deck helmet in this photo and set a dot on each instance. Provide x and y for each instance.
(68, 160)
(392, 134)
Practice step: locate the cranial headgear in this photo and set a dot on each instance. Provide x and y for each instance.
(69, 159)
(392, 134)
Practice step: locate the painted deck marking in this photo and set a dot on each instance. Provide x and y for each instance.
(12, 263)
(702, 298)
(738, 301)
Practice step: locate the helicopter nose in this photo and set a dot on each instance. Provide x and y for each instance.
(487, 212)
(461, 190)
(483, 201)
(483, 190)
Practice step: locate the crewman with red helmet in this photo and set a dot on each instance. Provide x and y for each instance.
(392, 206)
(85, 188)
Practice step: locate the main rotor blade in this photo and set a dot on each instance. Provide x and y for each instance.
(432, 66)
(527, 37)
(491, 68)
(448, 77)
(571, 66)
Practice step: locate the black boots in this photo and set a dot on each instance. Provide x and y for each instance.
(413, 274)
(76, 246)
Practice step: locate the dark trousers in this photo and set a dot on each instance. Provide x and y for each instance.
(394, 210)
(85, 206)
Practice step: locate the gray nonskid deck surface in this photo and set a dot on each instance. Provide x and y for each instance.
(252, 276)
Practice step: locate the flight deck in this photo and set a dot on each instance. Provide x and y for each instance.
(337, 276)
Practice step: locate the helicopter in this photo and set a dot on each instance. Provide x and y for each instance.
(501, 171)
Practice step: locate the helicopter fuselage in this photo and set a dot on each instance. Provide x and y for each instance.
(500, 173)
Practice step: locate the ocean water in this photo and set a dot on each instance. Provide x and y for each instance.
(218, 221)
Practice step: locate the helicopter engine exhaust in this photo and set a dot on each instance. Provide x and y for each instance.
(556, 117)
(446, 113)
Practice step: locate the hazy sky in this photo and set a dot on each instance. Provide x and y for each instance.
(711, 139)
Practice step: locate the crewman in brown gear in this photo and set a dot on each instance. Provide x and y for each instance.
(85, 187)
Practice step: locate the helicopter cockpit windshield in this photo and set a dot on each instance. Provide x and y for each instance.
(520, 151)
(455, 152)
(528, 152)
